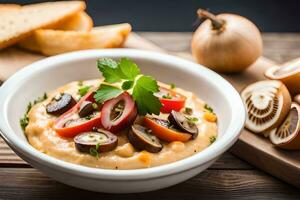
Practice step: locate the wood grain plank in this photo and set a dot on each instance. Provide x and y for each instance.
(213, 184)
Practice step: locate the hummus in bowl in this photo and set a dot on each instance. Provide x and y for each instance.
(41, 134)
(37, 144)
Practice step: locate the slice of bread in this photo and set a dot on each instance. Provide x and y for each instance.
(79, 22)
(19, 23)
(51, 42)
(9, 7)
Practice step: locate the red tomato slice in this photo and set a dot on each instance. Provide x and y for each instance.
(85, 125)
(116, 121)
(170, 100)
(160, 128)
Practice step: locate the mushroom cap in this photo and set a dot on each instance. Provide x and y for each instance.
(287, 135)
(267, 103)
(288, 73)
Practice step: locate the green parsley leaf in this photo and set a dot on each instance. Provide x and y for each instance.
(110, 70)
(127, 85)
(94, 151)
(95, 106)
(168, 96)
(25, 119)
(212, 139)
(116, 71)
(148, 83)
(208, 108)
(83, 90)
(129, 69)
(172, 86)
(107, 62)
(29, 106)
(188, 110)
(106, 92)
(88, 117)
(80, 83)
(192, 119)
(143, 95)
(40, 99)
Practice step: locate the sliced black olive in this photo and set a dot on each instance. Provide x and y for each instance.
(86, 108)
(99, 139)
(60, 104)
(183, 123)
(142, 139)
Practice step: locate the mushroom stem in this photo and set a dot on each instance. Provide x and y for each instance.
(216, 23)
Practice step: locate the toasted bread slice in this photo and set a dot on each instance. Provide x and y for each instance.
(79, 22)
(51, 42)
(20, 23)
(9, 7)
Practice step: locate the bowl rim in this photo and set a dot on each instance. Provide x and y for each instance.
(212, 152)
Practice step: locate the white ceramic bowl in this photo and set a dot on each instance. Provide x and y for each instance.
(49, 73)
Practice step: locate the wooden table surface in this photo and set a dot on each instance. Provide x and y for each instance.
(228, 178)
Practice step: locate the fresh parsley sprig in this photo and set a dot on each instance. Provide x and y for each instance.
(94, 151)
(84, 90)
(25, 119)
(126, 72)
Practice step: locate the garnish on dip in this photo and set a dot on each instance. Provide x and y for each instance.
(267, 103)
(226, 42)
(212, 139)
(95, 141)
(166, 131)
(83, 90)
(60, 104)
(80, 118)
(142, 139)
(25, 120)
(128, 74)
(170, 99)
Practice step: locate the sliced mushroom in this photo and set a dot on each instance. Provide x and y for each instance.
(183, 123)
(104, 140)
(288, 73)
(86, 108)
(268, 132)
(60, 104)
(267, 103)
(297, 99)
(142, 139)
(287, 135)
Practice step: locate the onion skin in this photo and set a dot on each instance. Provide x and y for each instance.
(229, 49)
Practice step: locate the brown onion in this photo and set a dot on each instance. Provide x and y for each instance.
(226, 43)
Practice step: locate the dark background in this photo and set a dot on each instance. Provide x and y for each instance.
(179, 15)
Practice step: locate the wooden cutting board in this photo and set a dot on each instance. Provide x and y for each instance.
(250, 147)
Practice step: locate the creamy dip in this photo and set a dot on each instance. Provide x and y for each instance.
(41, 135)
